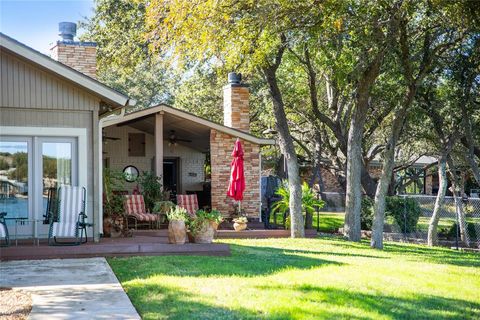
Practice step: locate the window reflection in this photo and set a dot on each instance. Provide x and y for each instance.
(14, 178)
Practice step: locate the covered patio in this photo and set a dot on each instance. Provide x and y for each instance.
(191, 155)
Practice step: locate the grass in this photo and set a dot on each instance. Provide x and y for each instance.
(329, 221)
(323, 278)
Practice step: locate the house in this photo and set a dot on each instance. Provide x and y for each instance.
(53, 112)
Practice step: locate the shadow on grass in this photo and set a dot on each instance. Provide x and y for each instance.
(435, 255)
(417, 307)
(156, 301)
(245, 261)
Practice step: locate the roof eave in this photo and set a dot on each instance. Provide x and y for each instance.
(183, 114)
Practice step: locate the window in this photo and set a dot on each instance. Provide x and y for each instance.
(14, 177)
(136, 145)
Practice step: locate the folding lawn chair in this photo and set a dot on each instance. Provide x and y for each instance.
(135, 208)
(189, 202)
(70, 220)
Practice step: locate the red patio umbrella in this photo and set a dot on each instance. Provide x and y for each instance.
(237, 176)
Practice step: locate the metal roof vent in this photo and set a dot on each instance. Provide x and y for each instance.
(234, 78)
(67, 30)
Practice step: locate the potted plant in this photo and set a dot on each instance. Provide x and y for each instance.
(240, 223)
(151, 189)
(113, 209)
(177, 231)
(204, 225)
(162, 208)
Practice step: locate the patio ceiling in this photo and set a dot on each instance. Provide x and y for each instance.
(184, 129)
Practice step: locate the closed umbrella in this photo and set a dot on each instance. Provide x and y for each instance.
(236, 186)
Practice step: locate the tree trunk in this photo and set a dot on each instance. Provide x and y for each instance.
(387, 171)
(380, 197)
(457, 190)
(353, 202)
(288, 150)
(432, 237)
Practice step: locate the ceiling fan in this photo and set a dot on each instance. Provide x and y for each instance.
(173, 139)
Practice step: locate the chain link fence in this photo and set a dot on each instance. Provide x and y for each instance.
(458, 223)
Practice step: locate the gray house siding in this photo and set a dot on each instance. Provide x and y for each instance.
(26, 86)
(32, 97)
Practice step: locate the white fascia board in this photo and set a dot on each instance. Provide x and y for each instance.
(65, 71)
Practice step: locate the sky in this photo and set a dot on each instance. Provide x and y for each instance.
(35, 22)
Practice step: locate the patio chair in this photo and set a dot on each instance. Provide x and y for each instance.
(135, 209)
(4, 230)
(70, 221)
(189, 202)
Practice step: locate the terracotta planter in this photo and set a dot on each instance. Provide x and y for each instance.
(240, 226)
(190, 237)
(206, 233)
(177, 232)
(113, 227)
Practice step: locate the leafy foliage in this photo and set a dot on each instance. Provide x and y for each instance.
(123, 58)
(406, 212)
(366, 215)
(177, 213)
(113, 183)
(195, 224)
(151, 188)
(310, 201)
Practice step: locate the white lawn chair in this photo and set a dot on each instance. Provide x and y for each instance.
(70, 221)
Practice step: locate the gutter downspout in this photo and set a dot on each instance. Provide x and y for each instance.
(110, 115)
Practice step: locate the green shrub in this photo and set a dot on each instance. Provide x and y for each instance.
(397, 207)
(366, 214)
(452, 231)
(406, 212)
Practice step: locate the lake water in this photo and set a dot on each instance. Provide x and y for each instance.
(19, 208)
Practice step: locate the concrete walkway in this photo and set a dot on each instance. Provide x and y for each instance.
(69, 288)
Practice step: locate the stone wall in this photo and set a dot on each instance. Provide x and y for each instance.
(221, 146)
(81, 56)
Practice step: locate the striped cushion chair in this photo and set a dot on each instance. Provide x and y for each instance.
(189, 202)
(4, 230)
(135, 209)
(70, 222)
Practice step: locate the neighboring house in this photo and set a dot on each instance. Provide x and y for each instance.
(52, 115)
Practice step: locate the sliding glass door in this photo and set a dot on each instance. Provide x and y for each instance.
(56, 166)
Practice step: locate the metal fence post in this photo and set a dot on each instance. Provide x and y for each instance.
(405, 217)
(318, 213)
(457, 229)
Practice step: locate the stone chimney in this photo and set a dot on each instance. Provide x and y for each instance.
(236, 109)
(81, 56)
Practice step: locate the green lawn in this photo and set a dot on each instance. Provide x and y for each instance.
(305, 279)
(329, 221)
